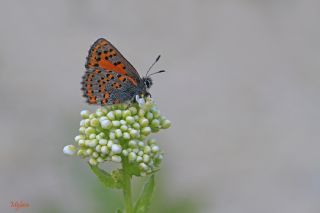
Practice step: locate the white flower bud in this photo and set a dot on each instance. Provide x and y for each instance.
(105, 124)
(112, 135)
(115, 148)
(104, 150)
(155, 149)
(141, 144)
(103, 142)
(143, 166)
(155, 123)
(85, 114)
(124, 128)
(146, 158)
(118, 133)
(69, 150)
(139, 159)
(100, 160)
(116, 158)
(92, 136)
(110, 143)
(140, 153)
(126, 136)
(94, 154)
(98, 148)
(111, 115)
(81, 142)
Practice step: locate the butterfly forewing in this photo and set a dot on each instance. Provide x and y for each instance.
(104, 55)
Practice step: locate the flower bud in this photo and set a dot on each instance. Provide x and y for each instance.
(111, 115)
(116, 158)
(115, 148)
(144, 122)
(69, 150)
(132, 156)
(103, 142)
(146, 131)
(94, 122)
(85, 114)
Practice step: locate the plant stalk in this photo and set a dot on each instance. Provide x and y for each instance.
(127, 188)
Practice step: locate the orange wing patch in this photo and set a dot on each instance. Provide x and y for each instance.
(100, 55)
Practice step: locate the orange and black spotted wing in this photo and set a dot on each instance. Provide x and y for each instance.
(104, 55)
(106, 87)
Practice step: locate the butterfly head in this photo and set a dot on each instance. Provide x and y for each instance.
(147, 81)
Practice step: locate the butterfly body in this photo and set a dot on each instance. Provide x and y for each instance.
(110, 78)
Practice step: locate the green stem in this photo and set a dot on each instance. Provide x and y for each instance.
(127, 188)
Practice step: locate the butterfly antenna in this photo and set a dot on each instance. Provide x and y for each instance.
(157, 59)
(157, 72)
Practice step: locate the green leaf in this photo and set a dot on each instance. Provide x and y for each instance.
(109, 181)
(144, 200)
(119, 211)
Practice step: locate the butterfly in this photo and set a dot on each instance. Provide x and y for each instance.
(110, 78)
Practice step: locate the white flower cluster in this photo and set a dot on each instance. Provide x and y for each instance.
(118, 132)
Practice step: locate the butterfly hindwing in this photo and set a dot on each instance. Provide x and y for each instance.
(107, 87)
(104, 55)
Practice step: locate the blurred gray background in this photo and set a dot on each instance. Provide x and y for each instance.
(242, 92)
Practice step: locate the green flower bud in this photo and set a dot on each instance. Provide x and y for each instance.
(136, 125)
(100, 160)
(141, 144)
(78, 137)
(144, 122)
(94, 154)
(129, 119)
(124, 128)
(141, 113)
(146, 158)
(151, 141)
(132, 143)
(82, 130)
(86, 122)
(143, 166)
(118, 114)
(134, 133)
(118, 133)
(165, 124)
(116, 123)
(155, 123)
(133, 110)
(89, 151)
(139, 159)
(149, 116)
(89, 131)
(110, 143)
(126, 113)
(125, 152)
(147, 149)
(85, 114)
(93, 161)
(132, 156)
(123, 122)
(81, 153)
(146, 131)
(94, 122)
(140, 153)
(126, 136)
(91, 116)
